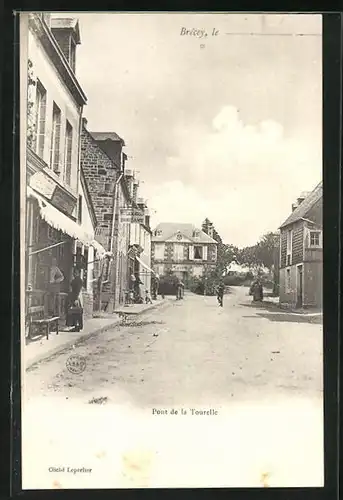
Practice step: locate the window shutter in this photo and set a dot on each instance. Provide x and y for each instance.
(191, 252)
(204, 255)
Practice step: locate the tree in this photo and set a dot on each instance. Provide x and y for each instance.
(262, 254)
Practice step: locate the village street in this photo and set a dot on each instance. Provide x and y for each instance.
(259, 369)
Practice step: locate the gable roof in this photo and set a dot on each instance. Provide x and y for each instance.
(302, 210)
(104, 136)
(168, 229)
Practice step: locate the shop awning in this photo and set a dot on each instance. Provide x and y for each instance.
(144, 265)
(59, 221)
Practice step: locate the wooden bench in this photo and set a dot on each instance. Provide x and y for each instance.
(36, 318)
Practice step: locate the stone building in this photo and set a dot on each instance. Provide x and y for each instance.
(301, 252)
(103, 164)
(183, 250)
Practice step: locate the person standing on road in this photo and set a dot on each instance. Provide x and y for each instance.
(220, 293)
(75, 309)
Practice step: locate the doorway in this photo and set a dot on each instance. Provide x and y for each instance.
(299, 286)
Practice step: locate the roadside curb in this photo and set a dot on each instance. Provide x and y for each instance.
(82, 338)
(284, 308)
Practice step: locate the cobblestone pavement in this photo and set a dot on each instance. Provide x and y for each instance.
(258, 366)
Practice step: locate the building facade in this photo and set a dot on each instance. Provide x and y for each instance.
(140, 239)
(183, 250)
(55, 196)
(301, 252)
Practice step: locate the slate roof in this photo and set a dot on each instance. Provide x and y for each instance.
(169, 229)
(66, 23)
(104, 136)
(305, 206)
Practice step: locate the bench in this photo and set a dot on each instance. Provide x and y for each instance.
(36, 318)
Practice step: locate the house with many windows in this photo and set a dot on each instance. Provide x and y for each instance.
(301, 252)
(59, 217)
(183, 250)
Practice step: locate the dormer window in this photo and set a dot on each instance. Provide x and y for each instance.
(196, 234)
(158, 232)
(67, 34)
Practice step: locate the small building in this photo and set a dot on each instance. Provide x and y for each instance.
(301, 252)
(183, 250)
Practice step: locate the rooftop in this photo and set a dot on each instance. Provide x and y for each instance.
(169, 229)
(105, 136)
(301, 211)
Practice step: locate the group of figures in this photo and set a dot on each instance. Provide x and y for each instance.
(74, 312)
(256, 290)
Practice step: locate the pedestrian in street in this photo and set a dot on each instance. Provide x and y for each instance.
(256, 291)
(55, 280)
(179, 290)
(75, 309)
(220, 293)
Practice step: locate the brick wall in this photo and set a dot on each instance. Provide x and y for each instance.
(100, 174)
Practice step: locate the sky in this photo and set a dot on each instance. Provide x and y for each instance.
(227, 127)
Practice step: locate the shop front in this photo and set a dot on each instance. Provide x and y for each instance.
(55, 246)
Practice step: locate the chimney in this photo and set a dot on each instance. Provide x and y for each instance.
(84, 123)
(210, 230)
(135, 191)
(129, 180)
(302, 197)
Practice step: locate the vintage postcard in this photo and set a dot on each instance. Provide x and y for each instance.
(172, 248)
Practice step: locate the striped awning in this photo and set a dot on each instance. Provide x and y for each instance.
(59, 221)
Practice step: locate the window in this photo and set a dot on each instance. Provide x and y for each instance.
(72, 53)
(178, 252)
(68, 152)
(289, 247)
(315, 238)
(288, 280)
(55, 139)
(198, 252)
(196, 234)
(40, 119)
(159, 251)
(79, 210)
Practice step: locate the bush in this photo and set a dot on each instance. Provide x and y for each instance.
(235, 280)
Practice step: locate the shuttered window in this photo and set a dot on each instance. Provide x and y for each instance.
(40, 119)
(55, 139)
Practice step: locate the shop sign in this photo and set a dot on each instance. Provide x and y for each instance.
(62, 200)
(43, 184)
(180, 268)
(131, 215)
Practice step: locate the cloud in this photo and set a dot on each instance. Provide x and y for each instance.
(243, 176)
